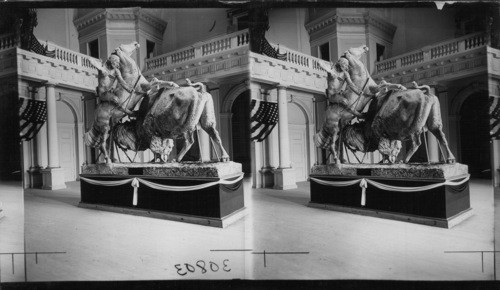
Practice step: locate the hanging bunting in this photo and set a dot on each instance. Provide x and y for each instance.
(264, 116)
(32, 116)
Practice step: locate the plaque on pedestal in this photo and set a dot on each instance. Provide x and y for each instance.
(202, 193)
(430, 194)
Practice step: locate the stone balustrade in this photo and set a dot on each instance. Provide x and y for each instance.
(8, 41)
(68, 56)
(298, 71)
(300, 59)
(213, 46)
(433, 52)
(67, 68)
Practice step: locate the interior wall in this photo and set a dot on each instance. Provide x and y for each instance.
(418, 27)
(56, 25)
(188, 26)
(286, 27)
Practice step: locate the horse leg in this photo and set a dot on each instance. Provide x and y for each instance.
(207, 122)
(435, 126)
(415, 143)
(188, 142)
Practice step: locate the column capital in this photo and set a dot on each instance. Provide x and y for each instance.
(282, 86)
(49, 84)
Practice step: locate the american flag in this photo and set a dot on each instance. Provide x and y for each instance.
(494, 117)
(267, 49)
(263, 119)
(32, 116)
(37, 47)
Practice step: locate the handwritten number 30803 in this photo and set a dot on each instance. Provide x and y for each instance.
(212, 266)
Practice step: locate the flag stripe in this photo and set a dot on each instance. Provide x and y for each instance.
(264, 117)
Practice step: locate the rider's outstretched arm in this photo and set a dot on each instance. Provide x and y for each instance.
(122, 82)
(328, 69)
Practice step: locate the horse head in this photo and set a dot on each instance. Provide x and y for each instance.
(129, 48)
(359, 76)
(357, 52)
(125, 52)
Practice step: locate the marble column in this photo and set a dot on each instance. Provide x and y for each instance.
(53, 175)
(454, 136)
(432, 147)
(284, 176)
(267, 171)
(40, 151)
(204, 144)
(432, 143)
(226, 132)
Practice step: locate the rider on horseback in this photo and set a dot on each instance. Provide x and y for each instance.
(109, 74)
(338, 72)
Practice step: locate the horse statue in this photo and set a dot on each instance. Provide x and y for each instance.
(350, 88)
(117, 101)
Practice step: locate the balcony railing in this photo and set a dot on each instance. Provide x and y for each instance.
(200, 49)
(69, 56)
(433, 52)
(300, 59)
(8, 41)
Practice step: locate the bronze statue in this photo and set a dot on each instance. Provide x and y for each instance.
(176, 112)
(349, 91)
(406, 114)
(396, 113)
(167, 111)
(117, 100)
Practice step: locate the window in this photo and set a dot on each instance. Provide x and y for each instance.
(242, 22)
(150, 49)
(324, 51)
(380, 52)
(94, 48)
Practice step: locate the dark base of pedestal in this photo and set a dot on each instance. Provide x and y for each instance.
(199, 220)
(178, 198)
(442, 206)
(436, 222)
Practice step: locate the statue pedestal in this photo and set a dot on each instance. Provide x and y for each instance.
(208, 194)
(284, 178)
(267, 176)
(340, 188)
(36, 179)
(53, 178)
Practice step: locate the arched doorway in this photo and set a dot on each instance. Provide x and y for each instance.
(474, 135)
(297, 132)
(68, 143)
(240, 130)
